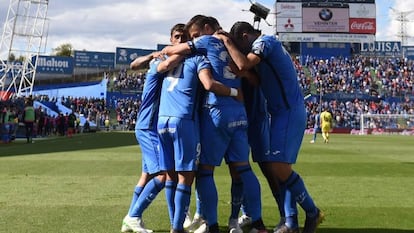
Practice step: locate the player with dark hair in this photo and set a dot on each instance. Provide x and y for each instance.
(224, 125)
(178, 125)
(152, 179)
(285, 103)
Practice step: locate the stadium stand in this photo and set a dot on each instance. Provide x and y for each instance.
(349, 87)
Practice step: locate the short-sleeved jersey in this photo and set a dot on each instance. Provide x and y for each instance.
(148, 112)
(217, 54)
(326, 117)
(179, 97)
(254, 101)
(278, 77)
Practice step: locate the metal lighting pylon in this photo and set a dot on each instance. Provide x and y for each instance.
(24, 37)
(402, 18)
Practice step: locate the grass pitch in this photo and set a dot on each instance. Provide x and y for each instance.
(365, 184)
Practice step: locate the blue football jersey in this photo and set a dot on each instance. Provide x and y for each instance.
(217, 54)
(278, 77)
(179, 95)
(317, 121)
(148, 112)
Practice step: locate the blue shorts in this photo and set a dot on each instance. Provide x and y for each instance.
(148, 140)
(259, 137)
(287, 128)
(317, 130)
(223, 135)
(180, 143)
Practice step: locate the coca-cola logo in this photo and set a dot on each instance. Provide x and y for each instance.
(362, 26)
(287, 7)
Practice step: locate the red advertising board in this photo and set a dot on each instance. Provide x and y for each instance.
(362, 26)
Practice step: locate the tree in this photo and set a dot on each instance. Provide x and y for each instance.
(12, 57)
(64, 50)
(21, 58)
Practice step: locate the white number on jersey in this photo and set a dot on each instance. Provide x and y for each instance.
(173, 76)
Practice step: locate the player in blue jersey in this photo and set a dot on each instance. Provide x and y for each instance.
(224, 125)
(258, 128)
(316, 126)
(285, 103)
(152, 179)
(178, 126)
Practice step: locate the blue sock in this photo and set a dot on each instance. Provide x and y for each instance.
(243, 207)
(151, 190)
(137, 192)
(198, 205)
(170, 187)
(207, 192)
(182, 202)
(251, 192)
(297, 188)
(236, 198)
(291, 211)
(280, 199)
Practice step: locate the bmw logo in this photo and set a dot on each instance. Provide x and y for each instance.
(325, 14)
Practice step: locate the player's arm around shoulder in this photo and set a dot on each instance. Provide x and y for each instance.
(182, 48)
(143, 61)
(242, 61)
(210, 84)
(170, 63)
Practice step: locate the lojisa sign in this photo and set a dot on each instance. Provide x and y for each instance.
(382, 49)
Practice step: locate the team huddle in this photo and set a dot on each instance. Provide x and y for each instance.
(212, 95)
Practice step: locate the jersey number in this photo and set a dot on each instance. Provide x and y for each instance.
(173, 76)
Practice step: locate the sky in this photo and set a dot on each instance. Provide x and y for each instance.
(103, 25)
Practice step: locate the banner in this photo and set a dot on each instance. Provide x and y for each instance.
(91, 59)
(124, 56)
(362, 26)
(334, 18)
(326, 37)
(326, 16)
(408, 52)
(54, 65)
(382, 49)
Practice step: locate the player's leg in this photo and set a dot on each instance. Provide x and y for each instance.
(198, 219)
(237, 195)
(167, 163)
(259, 140)
(210, 157)
(149, 149)
(186, 151)
(325, 132)
(149, 193)
(238, 159)
(182, 198)
(315, 132)
(294, 122)
(208, 195)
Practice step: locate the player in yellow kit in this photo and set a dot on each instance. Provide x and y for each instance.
(326, 124)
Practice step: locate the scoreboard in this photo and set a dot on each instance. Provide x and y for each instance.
(349, 21)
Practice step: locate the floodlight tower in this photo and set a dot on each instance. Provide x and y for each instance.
(23, 37)
(402, 18)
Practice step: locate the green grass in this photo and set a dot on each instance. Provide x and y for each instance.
(365, 184)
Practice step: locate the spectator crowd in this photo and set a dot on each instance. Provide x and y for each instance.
(380, 78)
